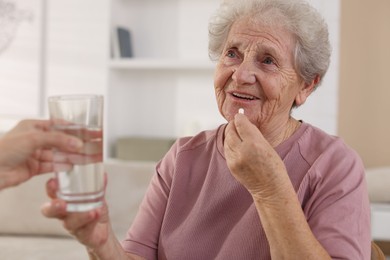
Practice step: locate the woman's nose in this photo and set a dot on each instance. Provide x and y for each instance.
(244, 74)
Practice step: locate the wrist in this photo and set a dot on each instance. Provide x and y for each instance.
(276, 191)
(109, 249)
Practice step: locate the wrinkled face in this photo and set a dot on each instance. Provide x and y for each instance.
(256, 72)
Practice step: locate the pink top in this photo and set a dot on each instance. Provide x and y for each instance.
(195, 209)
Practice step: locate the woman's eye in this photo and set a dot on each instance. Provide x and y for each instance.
(268, 60)
(231, 54)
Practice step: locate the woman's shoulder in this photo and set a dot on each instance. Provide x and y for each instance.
(315, 143)
(313, 136)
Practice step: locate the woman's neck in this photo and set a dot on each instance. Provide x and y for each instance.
(281, 132)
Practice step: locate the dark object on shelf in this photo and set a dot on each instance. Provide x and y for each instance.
(124, 42)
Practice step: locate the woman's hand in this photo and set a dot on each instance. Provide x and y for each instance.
(90, 228)
(252, 160)
(26, 151)
(257, 166)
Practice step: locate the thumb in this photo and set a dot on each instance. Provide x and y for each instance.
(243, 126)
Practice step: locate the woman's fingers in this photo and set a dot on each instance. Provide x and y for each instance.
(51, 188)
(76, 221)
(72, 220)
(245, 129)
(54, 209)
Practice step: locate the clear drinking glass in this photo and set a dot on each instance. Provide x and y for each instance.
(80, 175)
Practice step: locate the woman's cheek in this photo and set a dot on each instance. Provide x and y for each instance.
(220, 97)
(219, 86)
(222, 79)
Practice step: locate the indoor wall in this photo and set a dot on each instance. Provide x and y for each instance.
(364, 98)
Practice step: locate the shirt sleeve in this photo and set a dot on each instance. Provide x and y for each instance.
(338, 210)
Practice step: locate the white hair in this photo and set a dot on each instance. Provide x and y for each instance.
(312, 48)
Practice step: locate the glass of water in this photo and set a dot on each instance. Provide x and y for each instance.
(80, 175)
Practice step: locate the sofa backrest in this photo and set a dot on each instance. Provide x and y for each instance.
(378, 180)
(127, 183)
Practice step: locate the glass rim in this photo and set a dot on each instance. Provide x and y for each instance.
(67, 97)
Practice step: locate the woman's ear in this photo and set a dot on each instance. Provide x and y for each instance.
(307, 89)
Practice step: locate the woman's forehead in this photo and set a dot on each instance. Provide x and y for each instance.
(249, 31)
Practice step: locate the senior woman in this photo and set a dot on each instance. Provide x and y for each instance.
(263, 186)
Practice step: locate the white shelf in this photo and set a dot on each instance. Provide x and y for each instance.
(169, 74)
(160, 64)
(380, 221)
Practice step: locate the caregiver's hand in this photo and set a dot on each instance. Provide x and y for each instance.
(26, 150)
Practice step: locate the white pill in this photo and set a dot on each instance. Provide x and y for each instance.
(241, 111)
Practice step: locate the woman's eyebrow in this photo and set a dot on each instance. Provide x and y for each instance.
(270, 49)
(262, 47)
(233, 43)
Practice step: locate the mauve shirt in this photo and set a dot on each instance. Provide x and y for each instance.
(195, 209)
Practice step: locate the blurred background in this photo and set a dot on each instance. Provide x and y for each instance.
(163, 88)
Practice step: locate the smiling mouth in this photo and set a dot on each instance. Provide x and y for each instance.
(243, 96)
